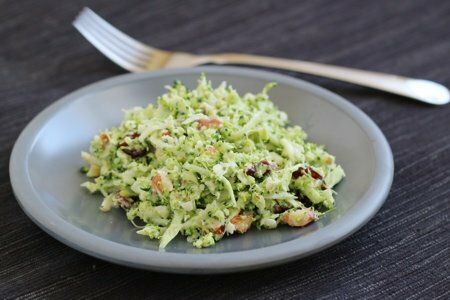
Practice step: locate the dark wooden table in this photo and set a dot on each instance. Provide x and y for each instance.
(403, 252)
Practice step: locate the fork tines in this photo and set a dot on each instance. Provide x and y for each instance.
(116, 45)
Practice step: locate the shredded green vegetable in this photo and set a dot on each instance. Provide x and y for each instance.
(207, 163)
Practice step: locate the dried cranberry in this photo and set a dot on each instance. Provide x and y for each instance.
(135, 153)
(278, 209)
(314, 174)
(251, 171)
(134, 135)
(123, 144)
(302, 171)
(299, 172)
(266, 162)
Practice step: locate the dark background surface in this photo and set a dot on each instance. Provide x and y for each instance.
(402, 252)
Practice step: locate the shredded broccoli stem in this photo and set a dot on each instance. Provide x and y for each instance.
(206, 163)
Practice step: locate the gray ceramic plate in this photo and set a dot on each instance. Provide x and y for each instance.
(45, 175)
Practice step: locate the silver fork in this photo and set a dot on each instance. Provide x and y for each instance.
(135, 56)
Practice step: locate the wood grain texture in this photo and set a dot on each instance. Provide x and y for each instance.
(403, 252)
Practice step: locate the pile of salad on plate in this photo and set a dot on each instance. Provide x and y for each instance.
(207, 163)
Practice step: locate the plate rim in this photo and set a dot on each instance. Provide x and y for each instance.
(226, 262)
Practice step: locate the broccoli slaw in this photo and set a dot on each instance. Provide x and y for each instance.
(207, 163)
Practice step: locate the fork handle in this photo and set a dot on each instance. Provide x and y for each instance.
(418, 89)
